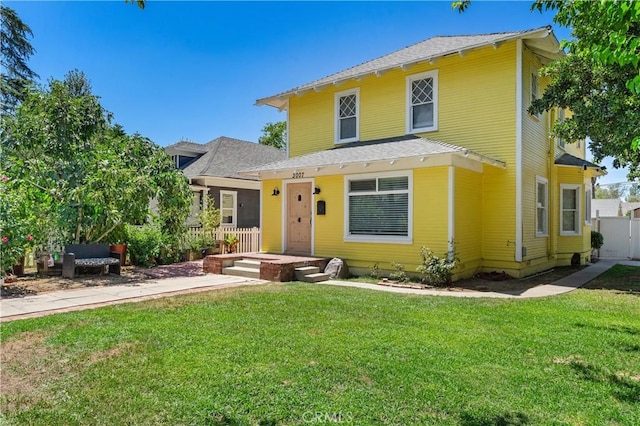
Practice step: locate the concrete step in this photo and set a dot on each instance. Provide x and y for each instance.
(314, 278)
(247, 263)
(303, 271)
(240, 271)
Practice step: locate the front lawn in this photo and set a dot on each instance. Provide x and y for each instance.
(312, 354)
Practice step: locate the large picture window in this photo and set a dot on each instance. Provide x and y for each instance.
(542, 203)
(347, 111)
(570, 210)
(422, 102)
(378, 207)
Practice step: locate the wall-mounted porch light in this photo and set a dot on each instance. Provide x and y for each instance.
(316, 190)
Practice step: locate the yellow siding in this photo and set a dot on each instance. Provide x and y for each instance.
(476, 105)
(429, 219)
(568, 245)
(271, 217)
(468, 220)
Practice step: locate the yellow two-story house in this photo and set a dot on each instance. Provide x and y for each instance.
(431, 145)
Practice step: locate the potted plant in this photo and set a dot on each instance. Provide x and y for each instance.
(191, 246)
(230, 243)
(118, 239)
(597, 240)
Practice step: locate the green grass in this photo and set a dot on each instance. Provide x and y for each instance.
(309, 354)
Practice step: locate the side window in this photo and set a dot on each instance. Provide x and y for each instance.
(542, 210)
(569, 209)
(228, 208)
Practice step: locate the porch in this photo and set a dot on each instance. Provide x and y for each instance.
(266, 266)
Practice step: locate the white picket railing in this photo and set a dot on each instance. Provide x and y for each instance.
(248, 238)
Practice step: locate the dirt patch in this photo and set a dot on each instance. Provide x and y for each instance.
(32, 284)
(27, 365)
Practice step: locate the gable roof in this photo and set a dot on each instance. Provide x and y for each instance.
(388, 149)
(224, 157)
(540, 40)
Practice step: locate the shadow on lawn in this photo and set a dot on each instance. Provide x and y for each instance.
(505, 419)
(623, 387)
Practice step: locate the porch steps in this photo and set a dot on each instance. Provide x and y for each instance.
(247, 268)
(310, 274)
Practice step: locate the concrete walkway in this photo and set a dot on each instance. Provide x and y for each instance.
(87, 298)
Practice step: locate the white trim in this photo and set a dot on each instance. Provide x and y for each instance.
(261, 220)
(451, 211)
(235, 208)
(408, 101)
(545, 181)
(285, 212)
(212, 181)
(391, 239)
(518, 254)
(336, 113)
(533, 71)
(587, 211)
(579, 214)
(287, 131)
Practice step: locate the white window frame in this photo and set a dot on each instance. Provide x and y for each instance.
(385, 239)
(409, 104)
(534, 88)
(587, 205)
(544, 206)
(337, 97)
(235, 209)
(578, 190)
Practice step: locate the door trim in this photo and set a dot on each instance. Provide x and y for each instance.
(285, 212)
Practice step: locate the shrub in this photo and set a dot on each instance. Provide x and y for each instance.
(435, 270)
(375, 271)
(144, 244)
(597, 240)
(399, 274)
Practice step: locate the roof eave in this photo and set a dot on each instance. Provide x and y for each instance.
(280, 101)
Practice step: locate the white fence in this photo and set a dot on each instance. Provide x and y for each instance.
(248, 238)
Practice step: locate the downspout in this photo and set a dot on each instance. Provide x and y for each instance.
(518, 254)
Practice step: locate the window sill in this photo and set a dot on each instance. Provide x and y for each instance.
(423, 130)
(570, 234)
(377, 239)
(545, 235)
(346, 141)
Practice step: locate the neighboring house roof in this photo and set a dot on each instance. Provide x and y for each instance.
(224, 157)
(611, 207)
(570, 160)
(186, 147)
(387, 149)
(540, 40)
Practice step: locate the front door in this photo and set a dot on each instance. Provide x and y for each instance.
(299, 218)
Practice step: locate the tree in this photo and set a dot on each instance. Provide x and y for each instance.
(634, 193)
(614, 190)
(89, 176)
(15, 50)
(141, 3)
(274, 134)
(599, 79)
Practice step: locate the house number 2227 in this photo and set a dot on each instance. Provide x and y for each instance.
(298, 175)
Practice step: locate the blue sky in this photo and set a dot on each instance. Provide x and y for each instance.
(193, 70)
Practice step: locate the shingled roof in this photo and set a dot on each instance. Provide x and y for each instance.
(426, 50)
(406, 146)
(224, 157)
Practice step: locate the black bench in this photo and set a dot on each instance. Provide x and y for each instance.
(89, 256)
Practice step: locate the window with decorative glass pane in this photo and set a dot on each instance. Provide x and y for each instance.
(378, 206)
(542, 215)
(570, 209)
(228, 208)
(347, 116)
(422, 102)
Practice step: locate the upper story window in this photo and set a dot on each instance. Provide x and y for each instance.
(535, 88)
(228, 208)
(378, 207)
(569, 209)
(347, 116)
(422, 102)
